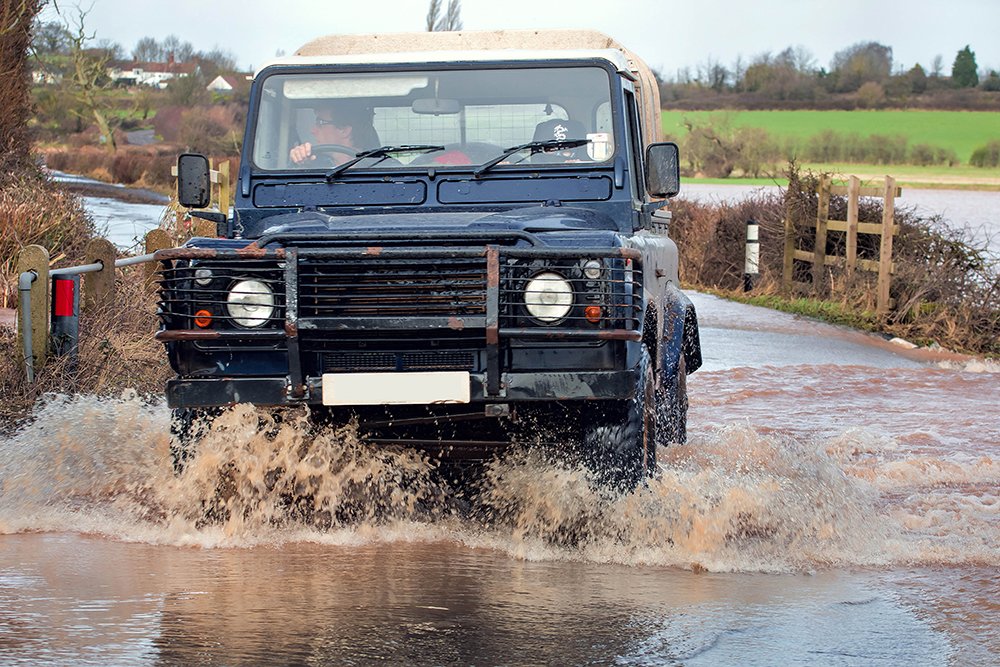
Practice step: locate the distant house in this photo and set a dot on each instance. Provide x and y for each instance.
(226, 84)
(155, 75)
(43, 77)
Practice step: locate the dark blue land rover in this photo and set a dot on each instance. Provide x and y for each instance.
(451, 237)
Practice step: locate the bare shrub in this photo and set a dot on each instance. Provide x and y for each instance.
(128, 167)
(986, 156)
(33, 210)
(210, 130)
(117, 352)
(871, 95)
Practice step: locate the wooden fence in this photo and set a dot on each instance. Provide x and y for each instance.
(850, 261)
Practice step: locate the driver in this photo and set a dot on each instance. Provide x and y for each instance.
(346, 126)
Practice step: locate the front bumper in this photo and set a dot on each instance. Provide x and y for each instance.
(516, 387)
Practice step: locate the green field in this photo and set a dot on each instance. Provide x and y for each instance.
(961, 131)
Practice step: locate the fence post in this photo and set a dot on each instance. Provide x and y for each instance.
(786, 271)
(99, 286)
(156, 239)
(885, 249)
(66, 316)
(853, 195)
(819, 252)
(35, 258)
(224, 193)
(751, 268)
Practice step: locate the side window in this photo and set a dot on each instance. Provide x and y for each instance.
(635, 148)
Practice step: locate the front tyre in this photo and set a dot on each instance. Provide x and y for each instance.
(619, 437)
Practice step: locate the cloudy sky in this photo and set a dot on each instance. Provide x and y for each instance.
(668, 34)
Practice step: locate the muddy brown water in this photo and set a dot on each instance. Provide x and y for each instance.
(837, 505)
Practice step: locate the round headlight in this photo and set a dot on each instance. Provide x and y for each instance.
(203, 276)
(250, 303)
(592, 269)
(548, 297)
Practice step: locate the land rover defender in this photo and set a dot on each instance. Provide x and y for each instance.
(486, 253)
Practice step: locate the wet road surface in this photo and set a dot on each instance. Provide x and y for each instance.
(837, 505)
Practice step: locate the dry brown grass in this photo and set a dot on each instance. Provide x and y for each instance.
(117, 353)
(33, 210)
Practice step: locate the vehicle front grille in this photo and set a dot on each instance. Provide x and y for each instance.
(392, 288)
(397, 361)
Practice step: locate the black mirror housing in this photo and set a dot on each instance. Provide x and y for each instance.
(194, 189)
(663, 169)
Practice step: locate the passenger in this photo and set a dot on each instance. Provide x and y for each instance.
(560, 129)
(345, 126)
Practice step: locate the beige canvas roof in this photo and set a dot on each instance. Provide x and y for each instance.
(524, 42)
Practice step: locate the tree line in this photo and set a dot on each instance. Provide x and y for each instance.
(863, 75)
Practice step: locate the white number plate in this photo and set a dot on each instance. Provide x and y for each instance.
(395, 388)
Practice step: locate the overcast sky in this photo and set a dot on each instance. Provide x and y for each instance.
(668, 34)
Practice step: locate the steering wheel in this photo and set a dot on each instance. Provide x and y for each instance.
(333, 148)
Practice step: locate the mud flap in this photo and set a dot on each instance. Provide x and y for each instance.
(678, 335)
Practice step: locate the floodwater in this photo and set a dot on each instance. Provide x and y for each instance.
(837, 505)
(123, 223)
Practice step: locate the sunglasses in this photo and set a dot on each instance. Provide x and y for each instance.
(320, 122)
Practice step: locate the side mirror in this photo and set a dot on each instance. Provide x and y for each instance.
(663, 169)
(194, 190)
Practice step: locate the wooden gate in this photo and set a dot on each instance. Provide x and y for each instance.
(849, 262)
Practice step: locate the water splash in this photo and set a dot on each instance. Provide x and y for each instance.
(737, 498)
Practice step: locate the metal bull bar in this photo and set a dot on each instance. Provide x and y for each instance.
(494, 317)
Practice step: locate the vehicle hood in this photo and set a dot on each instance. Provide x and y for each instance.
(543, 221)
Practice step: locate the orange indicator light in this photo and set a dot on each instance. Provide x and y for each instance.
(593, 313)
(203, 319)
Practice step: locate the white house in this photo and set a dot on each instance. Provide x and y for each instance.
(226, 83)
(156, 75)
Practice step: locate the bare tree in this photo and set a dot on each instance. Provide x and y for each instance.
(713, 74)
(452, 19)
(937, 66)
(147, 50)
(89, 77)
(433, 15)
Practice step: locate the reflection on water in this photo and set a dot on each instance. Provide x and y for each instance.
(435, 603)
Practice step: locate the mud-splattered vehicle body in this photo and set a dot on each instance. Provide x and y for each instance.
(496, 258)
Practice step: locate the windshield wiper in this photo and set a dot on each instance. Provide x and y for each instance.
(534, 147)
(382, 152)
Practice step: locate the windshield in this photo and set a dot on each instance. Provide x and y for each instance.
(457, 117)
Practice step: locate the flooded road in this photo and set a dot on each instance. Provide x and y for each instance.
(122, 215)
(837, 504)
